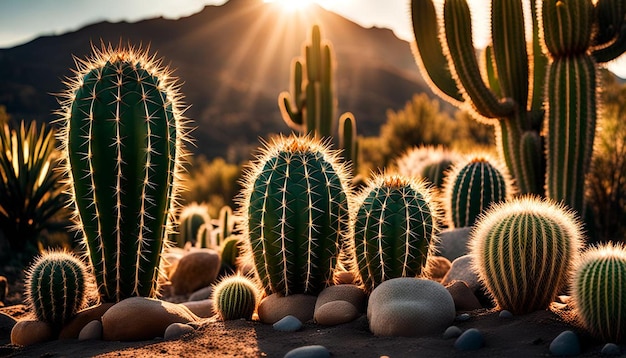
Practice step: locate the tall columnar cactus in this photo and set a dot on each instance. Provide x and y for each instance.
(295, 207)
(471, 186)
(395, 226)
(522, 243)
(226, 224)
(235, 297)
(230, 251)
(123, 141)
(55, 287)
(511, 94)
(192, 217)
(598, 291)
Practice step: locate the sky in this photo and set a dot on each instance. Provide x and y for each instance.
(24, 20)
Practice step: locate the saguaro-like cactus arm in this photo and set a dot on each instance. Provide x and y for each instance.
(348, 140)
(291, 105)
(609, 40)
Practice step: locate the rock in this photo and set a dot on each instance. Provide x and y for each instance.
(505, 314)
(452, 332)
(315, 351)
(275, 306)
(565, 344)
(409, 307)
(4, 288)
(202, 308)
(469, 340)
(461, 270)
(453, 243)
(611, 349)
(195, 270)
(73, 328)
(176, 330)
(464, 298)
(91, 331)
(170, 259)
(6, 324)
(349, 293)
(462, 317)
(288, 324)
(344, 278)
(202, 294)
(28, 332)
(438, 267)
(335, 312)
(140, 318)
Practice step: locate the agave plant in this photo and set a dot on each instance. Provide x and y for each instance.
(30, 189)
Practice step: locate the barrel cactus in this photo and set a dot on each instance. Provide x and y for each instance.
(395, 226)
(471, 186)
(123, 134)
(427, 162)
(55, 287)
(295, 208)
(235, 297)
(191, 218)
(230, 251)
(598, 291)
(226, 224)
(523, 242)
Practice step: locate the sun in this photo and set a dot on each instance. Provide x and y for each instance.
(291, 5)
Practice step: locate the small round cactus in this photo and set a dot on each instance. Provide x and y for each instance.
(235, 297)
(230, 250)
(519, 244)
(471, 186)
(191, 218)
(55, 287)
(427, 162)
(599, 291)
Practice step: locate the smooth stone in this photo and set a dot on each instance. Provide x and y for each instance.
(565, 344)
(462, 317)
(336, 312)
(202, 294)
(203, 309)
(195, 270)
(28, 332)
(505, 314)
(464, 298)
(410, 307)
(176, 330)
(288, 324)
(91, 331)
(611, 349)
(469, 340)
(276, 306)
(453, 243)
(170, 259)
(452, 332)
(140, 318)
(349, 293)
(438, 267)
(461, 270)
(315, 351)
(6, 324)
(73, 328)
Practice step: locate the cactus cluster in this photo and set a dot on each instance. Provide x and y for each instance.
(517, 244)
(122, 136)
(55, 287)
(427, 162)
(295, 207)
(192, 218)
(226, 225)
(395, 227)
(235, 297)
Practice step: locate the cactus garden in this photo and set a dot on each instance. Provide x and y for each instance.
(488, 218)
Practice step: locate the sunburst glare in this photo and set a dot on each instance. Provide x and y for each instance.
(291, 5)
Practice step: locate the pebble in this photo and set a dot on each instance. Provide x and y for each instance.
(315, 351)
(288, 324)
(202, 308)
(565, 344)
(349, 293)
(463, 317)
(176, 330)
(27, 332)
(464, 298)
(469, 340)
(452, 332)
(611, 349)
(336, 312)
(453, 243)
(202, 294)
(275, 306)
(91, 331)
(462, 270)
(505, 314)
(195, 270)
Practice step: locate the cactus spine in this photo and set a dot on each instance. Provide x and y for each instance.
(599, 291)
(472, 186)
(523, 242)
(235, 297)
(55, 287)
(123, 141)
(192, 217)
(295, 207)
(395, 225)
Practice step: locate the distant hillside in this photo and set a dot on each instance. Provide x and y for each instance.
(233, 61)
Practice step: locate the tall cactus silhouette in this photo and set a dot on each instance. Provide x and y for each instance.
(123, 141)
(295, 208)
(192, 217)
(510, 95)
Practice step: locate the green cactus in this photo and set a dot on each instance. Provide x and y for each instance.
(123, 141)
(517, 244)
(235, 297)
(230, 250)
(55, 287)
(427, 162)
(192, 217)
(295, 208)
(598, 290)
(395, 227)
(226, 225)
(471, 186)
